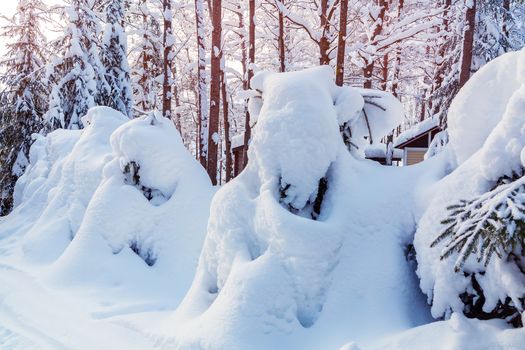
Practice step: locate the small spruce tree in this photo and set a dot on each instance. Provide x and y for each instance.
(24, 98)
(114, 59)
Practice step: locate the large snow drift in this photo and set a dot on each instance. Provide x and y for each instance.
(302, 251)
(121, 203)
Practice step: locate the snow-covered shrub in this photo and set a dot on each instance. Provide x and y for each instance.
(148, 214)
(279, 257)
(469, 242)
(51, 197)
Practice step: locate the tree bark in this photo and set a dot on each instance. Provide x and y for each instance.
(177, 120)
(397, 65)
(143, 81)
(506, 15)
(324, 43)
(167, 59)
(215, 91)
(282, 52)
(368, 71)
(226, 123)
(202, 99)
(468, 44)
(341, 43)
(251, 57)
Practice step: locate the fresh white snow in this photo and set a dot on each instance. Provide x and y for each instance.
(118, 239)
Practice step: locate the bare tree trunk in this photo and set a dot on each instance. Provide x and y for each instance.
(384, 73)
(397, 65)
(215, 90)
(506, 15)
(282, 54)
(202, 100)
(251, 57)
(468, 44)
(341, 43)
(177, 103)
(368, 71)
(324, 43)
(226, 123)
(167, 59)
(441, 65)
(143, 82)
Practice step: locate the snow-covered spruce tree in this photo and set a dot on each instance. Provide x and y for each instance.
(146, 72)
(114, 59)
(76, 74)
(495, 32)
(24, 98)
(490, 224)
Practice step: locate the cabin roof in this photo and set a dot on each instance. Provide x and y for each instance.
(416, 131)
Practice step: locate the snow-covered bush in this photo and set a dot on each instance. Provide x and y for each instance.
(470, 241)
(51, 197)
(281, 258)
(115, 197)
(148, 215)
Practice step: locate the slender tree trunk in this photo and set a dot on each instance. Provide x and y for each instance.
(384, 73)
(144, 80)
(397, 64)
(506, 15)
(177, 103)
(251, 57)
(468, 44)
(282, 54)
(368, 71)
(441, 65)
(324, 42)
(202, 100)
(215, 90)
(167, 59)
(226, 123)
(341, 43)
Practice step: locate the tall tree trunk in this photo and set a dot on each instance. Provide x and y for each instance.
(177, 103)
(368, 71)
(506, 16)
(167, 59)
(144, 80)
(441, 64)
(215, 90)
(367, 74)
(341, 43)
(468, 44)
(226, 123)
(384, 73)
(397, 64)
(202, 96)
(282, 52)
(324, 42)
(251, 57)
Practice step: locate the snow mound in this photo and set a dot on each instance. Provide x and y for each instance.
(149, 215)
(295, 153)
(488, 143)
(481, 103)
(51, 197)
(297, 254)
(115, 197)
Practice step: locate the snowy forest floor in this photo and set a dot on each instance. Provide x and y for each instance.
(36, 314)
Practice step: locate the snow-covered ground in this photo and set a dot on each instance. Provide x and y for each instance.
(117, 243)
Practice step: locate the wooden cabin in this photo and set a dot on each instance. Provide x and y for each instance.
(414, 142)
(238, 154)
